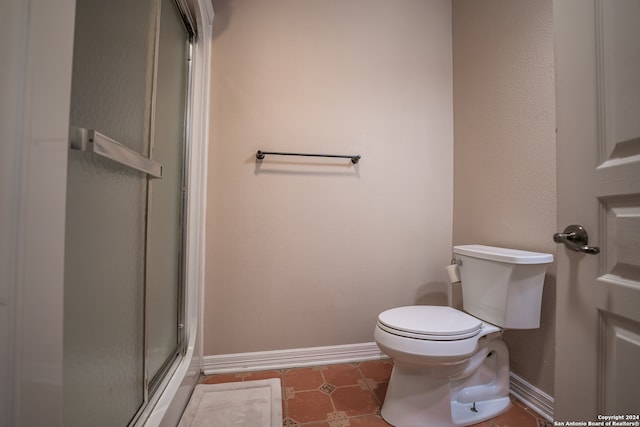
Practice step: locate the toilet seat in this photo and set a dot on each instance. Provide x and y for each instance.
(434, 323)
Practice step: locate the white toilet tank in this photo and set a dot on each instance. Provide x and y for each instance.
(502, 286)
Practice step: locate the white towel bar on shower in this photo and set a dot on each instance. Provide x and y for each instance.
(93, 141)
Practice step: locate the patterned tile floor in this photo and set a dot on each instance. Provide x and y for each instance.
(349, 394)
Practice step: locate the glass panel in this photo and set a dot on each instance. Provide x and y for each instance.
(114, 49)
(103, 301)
(165, 209)
(113, 55)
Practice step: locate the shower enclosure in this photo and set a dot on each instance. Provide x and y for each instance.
(124, 285)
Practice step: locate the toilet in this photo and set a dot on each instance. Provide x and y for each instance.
(451, 367)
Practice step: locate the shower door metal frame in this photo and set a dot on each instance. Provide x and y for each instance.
(153, 387)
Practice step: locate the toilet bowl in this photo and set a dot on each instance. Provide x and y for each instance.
(451, 367)
(435, 367)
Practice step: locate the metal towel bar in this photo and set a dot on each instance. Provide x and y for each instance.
(92, 141)
(260, 155)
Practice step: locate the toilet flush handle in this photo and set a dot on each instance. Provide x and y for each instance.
(575, 237)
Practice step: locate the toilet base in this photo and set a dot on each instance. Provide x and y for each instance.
(426, 401)
(462, 414)
(414, 399)
(420, 396)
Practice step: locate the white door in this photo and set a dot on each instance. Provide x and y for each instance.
(598, 153)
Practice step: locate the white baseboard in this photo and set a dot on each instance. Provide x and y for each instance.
(291, 358)
(533, 397)
(528, 394)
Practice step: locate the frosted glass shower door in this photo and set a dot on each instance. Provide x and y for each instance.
(165, 239)
(104, 273)
(113, 66)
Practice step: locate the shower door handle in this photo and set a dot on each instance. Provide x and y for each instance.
(575, 237)
(93, 141)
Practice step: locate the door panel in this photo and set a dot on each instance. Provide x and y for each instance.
(620, 350)
(621, 217)
(617, 290)
(598, 297)
(617, 35)
(124, 243)
(104, 296)
(165, 241)
(113, 62)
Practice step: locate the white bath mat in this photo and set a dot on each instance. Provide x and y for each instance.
(239, 404)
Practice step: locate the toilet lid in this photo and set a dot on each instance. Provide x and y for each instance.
(429, 322)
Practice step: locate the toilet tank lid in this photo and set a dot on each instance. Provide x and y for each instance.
(512, 256)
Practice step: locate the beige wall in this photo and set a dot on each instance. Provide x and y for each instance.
(305, 252)
(504, 179)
